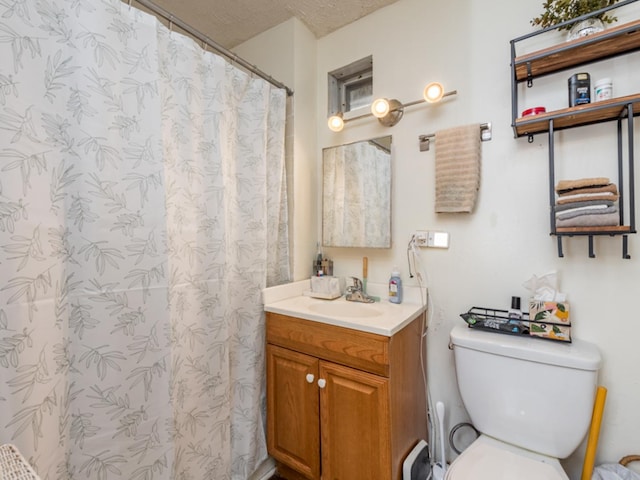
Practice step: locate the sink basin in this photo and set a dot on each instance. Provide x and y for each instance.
(346, 309)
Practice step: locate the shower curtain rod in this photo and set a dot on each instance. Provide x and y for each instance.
(173, 20)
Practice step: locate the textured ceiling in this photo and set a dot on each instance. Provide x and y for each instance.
(231, 22)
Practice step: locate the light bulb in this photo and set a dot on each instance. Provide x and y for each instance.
(433, 92)
(336, 123)
(380, 107)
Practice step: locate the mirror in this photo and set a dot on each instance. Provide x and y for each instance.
(356, 194)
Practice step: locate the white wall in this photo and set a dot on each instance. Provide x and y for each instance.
(465, 45)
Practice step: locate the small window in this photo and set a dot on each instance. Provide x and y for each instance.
(351, 87)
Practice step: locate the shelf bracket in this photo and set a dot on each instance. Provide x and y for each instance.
(560, 253)
(625, 248)
(591, 252)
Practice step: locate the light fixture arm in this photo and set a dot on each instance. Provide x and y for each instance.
(394, 110)
(422, 100)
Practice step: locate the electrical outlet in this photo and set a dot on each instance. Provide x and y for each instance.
(429, 238)
(420, 237)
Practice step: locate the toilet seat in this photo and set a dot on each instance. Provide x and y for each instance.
(490, 459)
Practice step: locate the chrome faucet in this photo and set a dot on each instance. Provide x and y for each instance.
(355, 292)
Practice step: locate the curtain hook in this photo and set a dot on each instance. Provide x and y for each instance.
(129, 3)
(171, 23)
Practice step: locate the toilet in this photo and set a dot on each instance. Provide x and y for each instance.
(530, 399)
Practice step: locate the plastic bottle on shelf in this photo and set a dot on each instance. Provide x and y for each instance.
(515, 324)
(514, 312)
(603, 89)
(395, 286)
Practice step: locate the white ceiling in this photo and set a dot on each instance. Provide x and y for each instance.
(231, 22)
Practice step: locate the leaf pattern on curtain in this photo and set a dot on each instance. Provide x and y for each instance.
(142, 210)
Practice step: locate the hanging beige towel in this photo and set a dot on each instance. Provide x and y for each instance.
(458, 157)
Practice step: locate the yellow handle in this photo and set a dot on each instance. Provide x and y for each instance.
(365, 267)
(594, 433)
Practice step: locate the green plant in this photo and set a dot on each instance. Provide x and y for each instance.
(558, 11)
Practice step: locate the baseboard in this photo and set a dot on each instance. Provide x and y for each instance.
(268, 475)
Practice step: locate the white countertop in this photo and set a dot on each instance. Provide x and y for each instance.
(387, 318)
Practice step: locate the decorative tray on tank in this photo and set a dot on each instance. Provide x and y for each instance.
(498, 321)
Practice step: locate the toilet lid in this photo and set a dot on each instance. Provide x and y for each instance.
(485, 460)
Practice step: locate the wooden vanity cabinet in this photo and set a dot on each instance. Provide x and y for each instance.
(293, 410)
(342, 403)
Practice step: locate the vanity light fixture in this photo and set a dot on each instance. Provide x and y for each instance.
(390, 111)
(382, 106)
(434, 92)
(336, 122)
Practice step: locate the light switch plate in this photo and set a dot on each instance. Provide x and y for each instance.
(438, 240)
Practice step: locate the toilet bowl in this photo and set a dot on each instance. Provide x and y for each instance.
(530, 399)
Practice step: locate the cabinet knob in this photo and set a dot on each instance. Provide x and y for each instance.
(322, 383)
(310, 377)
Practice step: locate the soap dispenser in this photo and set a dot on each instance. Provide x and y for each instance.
(395, 286)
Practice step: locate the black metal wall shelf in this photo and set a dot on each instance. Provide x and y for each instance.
(616, 40)
(589, 114)
(619, 40)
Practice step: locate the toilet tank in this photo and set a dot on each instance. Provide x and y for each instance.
(533, 393)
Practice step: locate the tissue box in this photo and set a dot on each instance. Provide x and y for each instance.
(550, 320)
(327, 287)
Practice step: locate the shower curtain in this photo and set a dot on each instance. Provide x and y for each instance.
(142, 209)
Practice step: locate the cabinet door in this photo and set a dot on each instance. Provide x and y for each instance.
(293, 410)
(355, 428)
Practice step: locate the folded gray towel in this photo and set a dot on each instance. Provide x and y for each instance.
(600, 220)
(571, 206)
(586, 211)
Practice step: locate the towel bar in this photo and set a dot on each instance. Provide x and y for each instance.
(485, 136)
